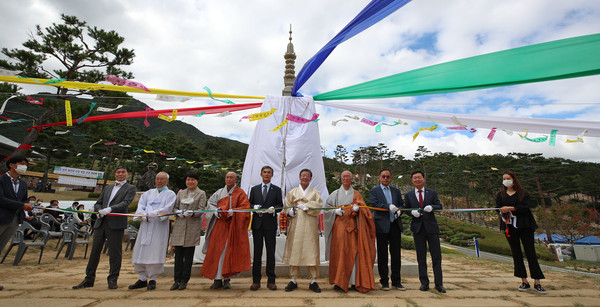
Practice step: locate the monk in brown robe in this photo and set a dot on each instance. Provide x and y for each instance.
(227, 246)
(350, 235)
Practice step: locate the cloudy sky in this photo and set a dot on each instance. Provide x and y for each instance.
(237, 47)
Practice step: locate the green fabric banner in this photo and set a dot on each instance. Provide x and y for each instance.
(561, 59)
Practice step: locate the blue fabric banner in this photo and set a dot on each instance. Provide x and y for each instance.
(375, 11)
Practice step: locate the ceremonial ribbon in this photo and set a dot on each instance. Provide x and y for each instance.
(169, 119)
(333, 123)
(26, 147)
(146, 123)
(110, 143)
(368, 122)
(170, 98)
(49, 81)
(378, 127)
(120, 81)
(491, 134)
(68, 113)
(10, 121)
(301, 120)
(149, 151)
(199, 115)
(227, 101)
(423, 129)
(95, 143)
(82, 119)
(578, 139)
(34, 101)
(5, 102)
(61, 132)
(102, 109)
(552, 141)
(262, 115)
(280, 125)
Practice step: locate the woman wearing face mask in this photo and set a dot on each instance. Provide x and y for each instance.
(518, 223)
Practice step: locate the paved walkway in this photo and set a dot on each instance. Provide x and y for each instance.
(469, 281)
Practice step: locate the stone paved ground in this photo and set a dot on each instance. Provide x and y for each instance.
(469, 281)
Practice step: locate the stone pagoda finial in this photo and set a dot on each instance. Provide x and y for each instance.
(290, 75)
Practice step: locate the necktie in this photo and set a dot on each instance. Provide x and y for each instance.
(388, 197)
(264, 192)
(421, 198)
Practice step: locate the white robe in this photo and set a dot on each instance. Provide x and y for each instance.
(153, 236)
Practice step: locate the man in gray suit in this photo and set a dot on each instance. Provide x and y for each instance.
(114, 198)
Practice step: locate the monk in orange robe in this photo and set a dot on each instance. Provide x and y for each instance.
(350, 234)
(226, 246)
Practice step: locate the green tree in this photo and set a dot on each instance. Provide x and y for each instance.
(85, 54)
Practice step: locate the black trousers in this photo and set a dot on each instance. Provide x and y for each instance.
(393, 241)
(422, 241)
(184, 258)
(525, 236)
(269, 236)
(114, 239)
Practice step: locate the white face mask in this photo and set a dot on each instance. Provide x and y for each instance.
(507, 183)
(21, 168)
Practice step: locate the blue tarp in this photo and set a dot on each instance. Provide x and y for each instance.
(589, 240)
(375, 11)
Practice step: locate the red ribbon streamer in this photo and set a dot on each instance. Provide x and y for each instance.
(26, 147)
(168, 112)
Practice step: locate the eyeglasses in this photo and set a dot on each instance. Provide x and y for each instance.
(385, 176)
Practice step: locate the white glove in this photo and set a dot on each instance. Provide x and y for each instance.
(180, 213)
(137, 218)
(257, 206)
(104, 211)
(152, 214)
(355, 208)
(339, 211)
(218, 213)
(302, 207)
(292, 212)
(428, 208)
(397, 214)
(230, 212)
(271, 210)
(393, 208)
(188, 213)
(416, 213)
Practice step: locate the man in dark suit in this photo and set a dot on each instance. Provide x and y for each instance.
(265, 196)
(13, 199)
(388, 229)
(425, 229)
(114, 198)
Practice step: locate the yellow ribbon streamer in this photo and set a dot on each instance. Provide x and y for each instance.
(423, 129)
(68, 113)
(280, 125)
(577, 140)
(117, 88)
(262, 115)
(149, 151)
(95, 143)
(169, 119)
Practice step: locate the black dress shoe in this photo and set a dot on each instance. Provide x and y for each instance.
(84, 284)
(440, 288)
(291, 286)
(226, 284)
(315, 287)
(424, 288)
(112, 285)
(151, 285)
(353, 288)
(182, 285)
(217, 284)
(2, 287)
(139, 284)
(175, 286)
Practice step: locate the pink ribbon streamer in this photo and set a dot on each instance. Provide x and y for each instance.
(457, 128)
(368, 122)
(492, 133)
(301, 120)
(146, 123)
(110, 143)
(35, 101)
(120, 81)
